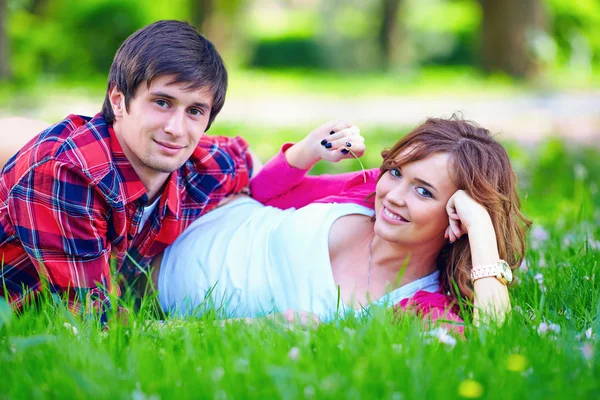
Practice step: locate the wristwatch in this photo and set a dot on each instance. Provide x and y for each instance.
(500, 270)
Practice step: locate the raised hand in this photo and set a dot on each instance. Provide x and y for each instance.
(464, 214)
(332, 141)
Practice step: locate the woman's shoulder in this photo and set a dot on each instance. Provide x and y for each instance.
(357, 189)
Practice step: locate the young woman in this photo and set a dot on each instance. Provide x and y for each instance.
(438, 222)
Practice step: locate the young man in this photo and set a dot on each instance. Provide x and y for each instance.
(118, 188)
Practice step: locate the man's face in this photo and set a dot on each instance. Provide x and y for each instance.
(163, 125)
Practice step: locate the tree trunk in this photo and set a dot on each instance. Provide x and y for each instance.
(388, 31)
(4, 51)
(506, 32)
(202, 11)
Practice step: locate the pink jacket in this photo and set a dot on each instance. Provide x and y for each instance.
(280, 185)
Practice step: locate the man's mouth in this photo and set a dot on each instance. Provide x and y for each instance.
(170, 146)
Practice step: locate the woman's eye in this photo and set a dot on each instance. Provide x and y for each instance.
(395, 172)
(424, 192)
(161, 103)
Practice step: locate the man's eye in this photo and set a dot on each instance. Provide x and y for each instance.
(161, 103)
(395, 172)
(196, 112)
(424, 192)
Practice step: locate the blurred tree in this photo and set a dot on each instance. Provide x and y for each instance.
(218, 21)
(37, 7)
(4, 62)
(202, 11)
(507, 31)
(388, 31)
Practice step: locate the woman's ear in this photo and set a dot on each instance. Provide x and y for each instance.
(117, 101)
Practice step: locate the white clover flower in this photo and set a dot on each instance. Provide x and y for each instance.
(443, 336)
(518, 309)
(294, 353)
(524, 266)
(545, 328)
(580, 171)
(138, 394)
(587, 351)
(539, 278)
(218, 374)
(309, 392)
(539, 235)
(542, 329)
(71, 328)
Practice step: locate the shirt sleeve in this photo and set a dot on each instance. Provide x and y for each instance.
(61, 220)
(278, 184)
(238, 154)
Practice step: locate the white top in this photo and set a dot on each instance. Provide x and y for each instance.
(246, 260)
(147, 212)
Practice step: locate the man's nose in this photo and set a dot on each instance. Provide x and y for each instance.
(176, 124)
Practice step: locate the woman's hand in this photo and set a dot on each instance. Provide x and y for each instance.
(331, 141)
(465, 215)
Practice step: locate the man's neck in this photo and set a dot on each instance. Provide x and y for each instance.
(154, 181)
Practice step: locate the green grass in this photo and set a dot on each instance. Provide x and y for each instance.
(46, 352)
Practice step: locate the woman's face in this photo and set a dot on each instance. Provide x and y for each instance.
(411, 200)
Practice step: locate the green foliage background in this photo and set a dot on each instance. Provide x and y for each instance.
(76, 39)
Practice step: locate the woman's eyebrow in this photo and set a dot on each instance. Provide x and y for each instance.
(429, 185)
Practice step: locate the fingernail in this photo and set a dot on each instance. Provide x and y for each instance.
(331, 133)
(323, 142)
(328, 146)
(345, 151)
(348, 144)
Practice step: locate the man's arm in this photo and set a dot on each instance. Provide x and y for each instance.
(62, 223)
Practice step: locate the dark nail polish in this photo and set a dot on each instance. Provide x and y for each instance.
(328, 145)
(331, 133)
(345, 151)
(348, 144)
(323, 142)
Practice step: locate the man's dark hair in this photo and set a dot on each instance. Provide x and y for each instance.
(167, 48)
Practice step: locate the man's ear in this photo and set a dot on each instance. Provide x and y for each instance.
(117, 101)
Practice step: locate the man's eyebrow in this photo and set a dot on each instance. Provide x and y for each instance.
(168, 96)
(426, 184)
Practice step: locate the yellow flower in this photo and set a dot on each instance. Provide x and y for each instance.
(516, 363)
(470, 389)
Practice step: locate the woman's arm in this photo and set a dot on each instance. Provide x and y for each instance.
(283, 181)
(466, 216)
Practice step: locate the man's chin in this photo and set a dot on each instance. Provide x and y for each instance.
(165, 168)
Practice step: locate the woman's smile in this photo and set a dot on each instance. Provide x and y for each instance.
(392, 217)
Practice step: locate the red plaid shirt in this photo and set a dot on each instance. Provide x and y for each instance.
(71, 204)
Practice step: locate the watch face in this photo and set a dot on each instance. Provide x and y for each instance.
(506, 271)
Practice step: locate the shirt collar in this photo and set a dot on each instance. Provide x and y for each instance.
(132, 186)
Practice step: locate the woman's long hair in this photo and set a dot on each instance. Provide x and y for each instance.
(482, 169)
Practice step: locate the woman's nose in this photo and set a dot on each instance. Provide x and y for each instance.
(398, 194)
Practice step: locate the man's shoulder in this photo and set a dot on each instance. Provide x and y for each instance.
(218, 154)
(77, 142)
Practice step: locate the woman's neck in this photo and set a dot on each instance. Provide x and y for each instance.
(401, 264)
